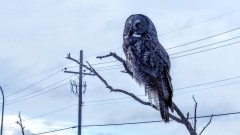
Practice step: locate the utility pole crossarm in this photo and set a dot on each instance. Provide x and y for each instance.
(72, 72)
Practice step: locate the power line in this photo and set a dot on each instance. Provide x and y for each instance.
(56, 130)
(110, 69)
(205, 45)
(195, 41)
(112, 99)
(120, 67)
(134, 123)
(222, 80)
(178, 29)
(201, 84)
(117, 65)
(209, 19)
(45, 114)
(208, 88)
(40, 89)
(39, 94)
(205, 50)
(202, 39)
(104, 62)
(167, 48)
(34, 83)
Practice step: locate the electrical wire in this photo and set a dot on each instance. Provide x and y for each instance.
(34, 84)
(42, 115)
(195, 41)
(40, 89)
(112, 99)
(207, 83)
(191, 86)
(205, 50)
(104, 62)
(120, 66)
(110, 69)
(37, 94)
(223, 85)
(117, 65)
(166, 49)
(205, 46)
(178, 29)
(134, 123)
(209, 19)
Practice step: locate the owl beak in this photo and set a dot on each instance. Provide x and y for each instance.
(130, 33)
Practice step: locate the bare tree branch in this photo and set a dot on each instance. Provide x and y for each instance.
(206, 125)
(70, 58)
(195, 115)
(20, 123)
(182, 119)
(185, 121)
(127, 93)
(187, 115)
(114, 55)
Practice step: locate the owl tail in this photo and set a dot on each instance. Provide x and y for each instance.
(161, 92)
(165, 94)
(163, 108)
(156, 94)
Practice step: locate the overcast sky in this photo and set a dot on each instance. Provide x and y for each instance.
(36, 35)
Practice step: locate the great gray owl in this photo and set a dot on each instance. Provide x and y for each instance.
(148, 61)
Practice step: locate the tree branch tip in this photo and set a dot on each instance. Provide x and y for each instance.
(193, 98)
(187, 115)
(206, 125)
(69, 55)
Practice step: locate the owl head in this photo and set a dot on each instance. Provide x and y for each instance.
(139, 25)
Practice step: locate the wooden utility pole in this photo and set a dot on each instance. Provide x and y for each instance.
(80, 95)
(80, 62)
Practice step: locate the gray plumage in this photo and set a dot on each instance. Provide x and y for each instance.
(148, 61)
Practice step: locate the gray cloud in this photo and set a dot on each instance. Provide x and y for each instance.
(36, 36)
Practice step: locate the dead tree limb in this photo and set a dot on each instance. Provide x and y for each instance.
(89, 67)
(181, 119)
(70, 58)
(114, 55)
(206, 125)
(20, 123)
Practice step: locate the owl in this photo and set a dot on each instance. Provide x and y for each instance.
(149, 62)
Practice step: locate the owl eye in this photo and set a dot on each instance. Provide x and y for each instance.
(138, 24)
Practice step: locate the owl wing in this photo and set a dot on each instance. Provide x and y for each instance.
(155, 59)
(156, 63)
